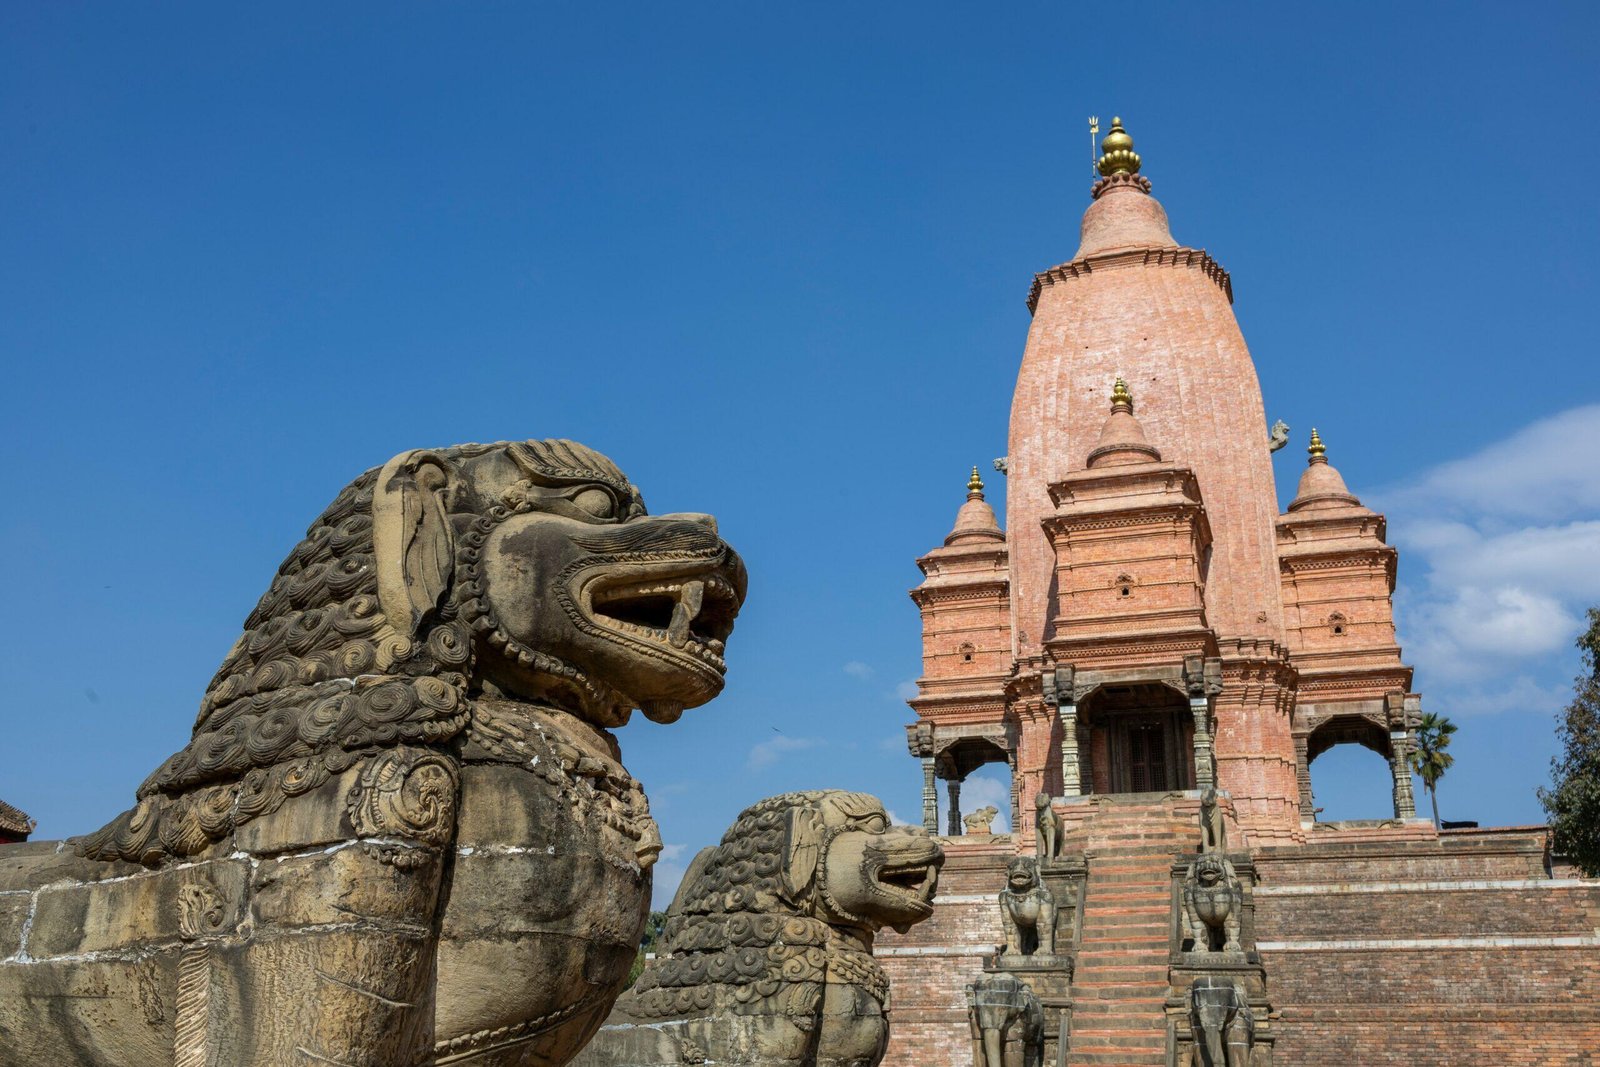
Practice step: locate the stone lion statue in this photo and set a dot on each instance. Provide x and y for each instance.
(767, 948)
(1212, 901)
(981, 822)
(1027, 910)
(401, 833)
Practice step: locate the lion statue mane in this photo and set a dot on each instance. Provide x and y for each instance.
(766, 953)
(401, 832)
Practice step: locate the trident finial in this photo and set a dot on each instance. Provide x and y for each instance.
(974, 486)
(1094, 129)
(1316, 448)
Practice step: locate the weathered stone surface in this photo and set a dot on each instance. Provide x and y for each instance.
(1028, 910)
(401, 833)
(768, 945)
(1002, 1008)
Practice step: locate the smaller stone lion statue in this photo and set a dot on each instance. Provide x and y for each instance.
(999, 1006)
(1046, 829)
(1028, 910)
(981, 821)
(767, 954)
(1212, 901)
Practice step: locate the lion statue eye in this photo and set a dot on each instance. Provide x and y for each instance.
(875, 824)
(596, 502)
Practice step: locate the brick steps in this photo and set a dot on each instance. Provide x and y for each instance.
(1120, 979)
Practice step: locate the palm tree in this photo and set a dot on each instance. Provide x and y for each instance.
(1428, 756)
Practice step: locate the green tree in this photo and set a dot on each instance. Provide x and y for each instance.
(1429, 758)
(1573, 801)
(647, 943)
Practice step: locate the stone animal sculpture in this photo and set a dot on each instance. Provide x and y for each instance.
(1212, 902)
(1027, 910)
(998, 1005)
(767, 948)
(1278, 436)
(401, 833)
(1046, 829)
(981, 821)
(1220, 1021)
(1213, 831)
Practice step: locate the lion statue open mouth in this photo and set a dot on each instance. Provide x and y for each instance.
(401, 833)
(767, 949)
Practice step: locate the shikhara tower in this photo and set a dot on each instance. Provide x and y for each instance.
(1148, 621)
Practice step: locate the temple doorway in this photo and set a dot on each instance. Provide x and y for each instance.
(1141, 739)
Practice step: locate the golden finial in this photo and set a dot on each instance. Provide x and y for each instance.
(1317, 450)
(974, 486)
(1120, 395)
(1116, 152)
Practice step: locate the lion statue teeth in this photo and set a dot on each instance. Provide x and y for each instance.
(766, 954)
(401, 797)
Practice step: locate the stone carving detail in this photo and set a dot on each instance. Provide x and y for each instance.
(1047, 829)
(767, 955)
(1278, 436)
(1027, 910)
(1213, 831)
(1212, 903)
(1221, 1022)
(981, 821)
(434, 670)
(999, 1004)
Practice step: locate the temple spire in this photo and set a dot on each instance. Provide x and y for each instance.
(1317, 450)
(1121, 397)
(974, 486)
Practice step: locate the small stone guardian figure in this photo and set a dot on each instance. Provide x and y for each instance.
(1028, 910)
(996, 1005)
(1213, 834)
(981, 821)
(1221, 1023)
(1212, 902)
(1046, 829)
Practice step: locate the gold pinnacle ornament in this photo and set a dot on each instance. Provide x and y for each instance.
(975, 485)
(1116, 152)
(1316, 448)
(1120, 395)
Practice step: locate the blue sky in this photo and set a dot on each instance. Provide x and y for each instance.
(772, 260)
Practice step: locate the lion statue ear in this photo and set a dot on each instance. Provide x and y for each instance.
(412, 539)
(802, 849)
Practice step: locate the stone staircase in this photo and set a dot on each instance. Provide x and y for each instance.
(1120, 982)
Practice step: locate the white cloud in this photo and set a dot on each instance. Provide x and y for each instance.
(1545, 471)
(1500, 554)
(896, 820)
(770, 751)
(856, 669)
(905, 690)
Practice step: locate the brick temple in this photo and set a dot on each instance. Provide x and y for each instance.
(1148, 627)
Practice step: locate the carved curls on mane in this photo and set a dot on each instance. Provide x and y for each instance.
(321, 676)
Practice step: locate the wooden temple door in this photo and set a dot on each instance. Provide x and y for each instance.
(1147, 758)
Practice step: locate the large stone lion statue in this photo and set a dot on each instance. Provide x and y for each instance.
(767, 948)
(401, 833)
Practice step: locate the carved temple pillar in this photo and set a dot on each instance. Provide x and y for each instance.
(1302, 773)
(1405, 803)
(919, 739)
(930, 797)
(1203, 679)
(954, 787)
(1402, 711)
(1058, 691)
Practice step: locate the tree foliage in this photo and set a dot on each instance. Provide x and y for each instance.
(1429, 757)
(1573, 801)
(647, 943)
